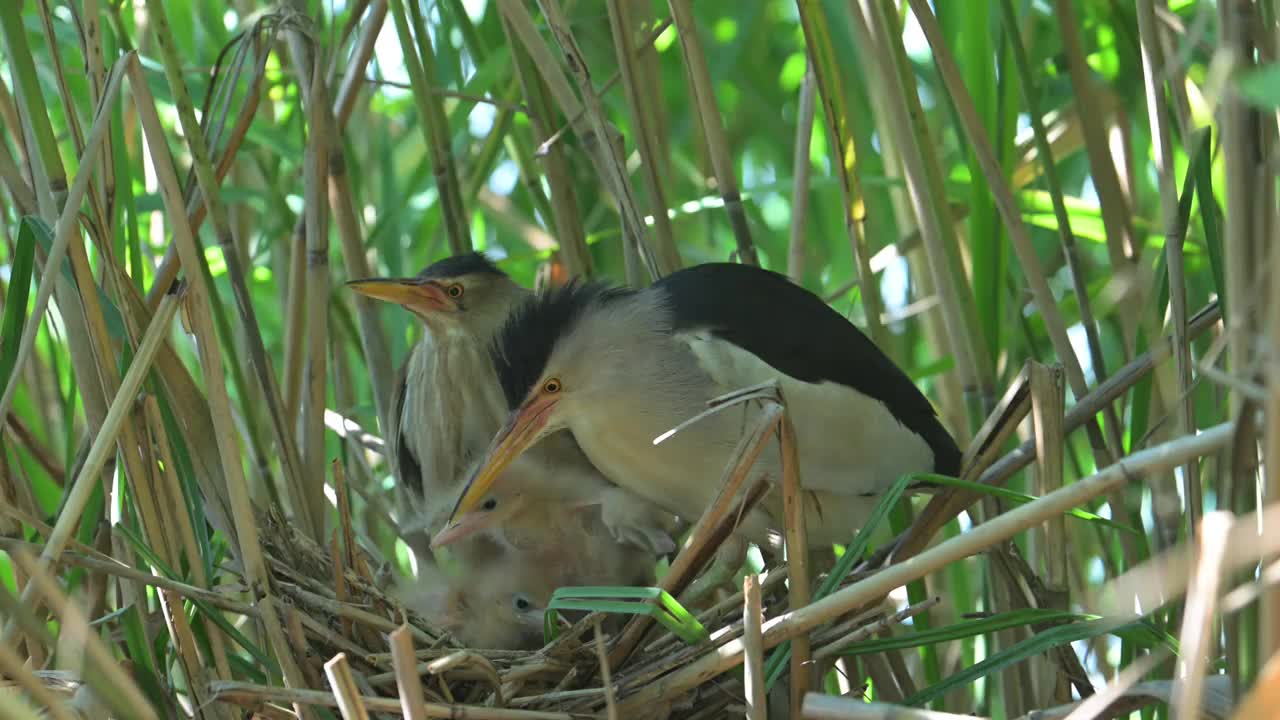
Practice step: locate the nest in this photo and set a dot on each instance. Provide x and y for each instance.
(338, 613)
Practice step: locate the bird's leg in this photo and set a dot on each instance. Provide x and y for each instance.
(728, 558)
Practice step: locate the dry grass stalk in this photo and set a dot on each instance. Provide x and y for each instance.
(703, 91)
(753, 649)
(830, 707)
(1032, 268)
(104, 443)
(250, 695)
(797, 558)
(101, 670)
(647, 139)
(210, 353)
(879, 626)
(801, 170)
(13, 668)
(996, 530)
(606, 677)
(64, 230)
(936, 234)
(1197, 636)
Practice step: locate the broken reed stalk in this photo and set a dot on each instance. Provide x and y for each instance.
(998, 529)
(408, 682)
(345, 691)
(753, 648)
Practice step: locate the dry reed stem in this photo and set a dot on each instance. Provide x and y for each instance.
(942, 508)
(290, 460)
(822, 75)
(64, 229)
(1033, 270)
(646, 136)
(102, 671)
(13, 668)
(408, 683)
(343, 684)
(464, 659)
(797, 557)
(122, 405)
(801, 171)
(703, 537)
(936, 235)
(210, 353)
(566, 218)
(830, 707)
(1197, 637)
(93, 560)
(1048, 398)
(600, 140)
(994, 531)
(753, 649)
(349, 89)
(1153, 69)
(316, 368)
(834, 647)
(187, 656)
(251, 695)
(702, 88)
(606, 677)
(1165, 577)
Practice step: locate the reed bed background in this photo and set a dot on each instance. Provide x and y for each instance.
(1058, 216)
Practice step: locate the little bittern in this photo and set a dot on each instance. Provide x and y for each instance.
(621, 367)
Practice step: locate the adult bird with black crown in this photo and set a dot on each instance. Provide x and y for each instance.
(621, 367)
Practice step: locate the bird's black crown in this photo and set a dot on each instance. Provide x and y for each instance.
(520, 351)
(472, 263)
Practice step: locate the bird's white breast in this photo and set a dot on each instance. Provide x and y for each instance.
(848, 442)
(451, 384)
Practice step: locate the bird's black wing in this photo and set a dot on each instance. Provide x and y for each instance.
(796, 332)
(408, 471)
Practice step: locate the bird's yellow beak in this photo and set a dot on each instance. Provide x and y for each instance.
(419, 296)
(524, 428)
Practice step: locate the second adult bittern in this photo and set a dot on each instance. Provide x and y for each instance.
(447, 402)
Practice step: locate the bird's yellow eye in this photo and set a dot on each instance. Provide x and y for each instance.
(551, 386)
(455, 291)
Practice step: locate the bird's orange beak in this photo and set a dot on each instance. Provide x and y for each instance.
(524, 427)
(418, 296)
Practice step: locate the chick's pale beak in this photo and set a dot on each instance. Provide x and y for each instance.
(466, 525)
(524, 428)
(414, 294)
